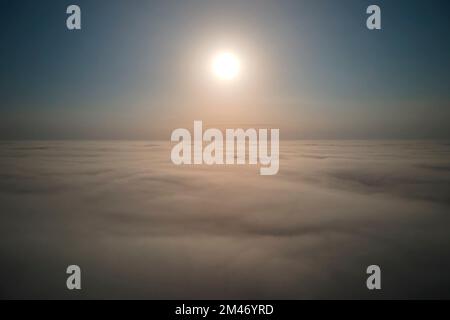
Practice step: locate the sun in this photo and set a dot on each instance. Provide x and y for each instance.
(226, 66)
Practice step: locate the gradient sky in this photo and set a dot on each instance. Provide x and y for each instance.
(139, 69)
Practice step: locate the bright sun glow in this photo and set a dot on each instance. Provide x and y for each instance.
(226, 66)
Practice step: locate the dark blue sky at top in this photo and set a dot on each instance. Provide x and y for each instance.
(56, 83)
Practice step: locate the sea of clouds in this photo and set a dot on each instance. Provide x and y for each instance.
(141, 227)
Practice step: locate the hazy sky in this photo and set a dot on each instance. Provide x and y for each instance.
(139, 69)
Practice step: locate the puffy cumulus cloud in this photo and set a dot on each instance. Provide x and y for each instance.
(140, 227)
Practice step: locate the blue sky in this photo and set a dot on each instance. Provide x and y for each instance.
(311, 68)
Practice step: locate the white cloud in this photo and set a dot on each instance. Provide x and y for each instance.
(140, 227)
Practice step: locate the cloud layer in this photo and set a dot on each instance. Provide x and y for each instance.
(140, 227)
